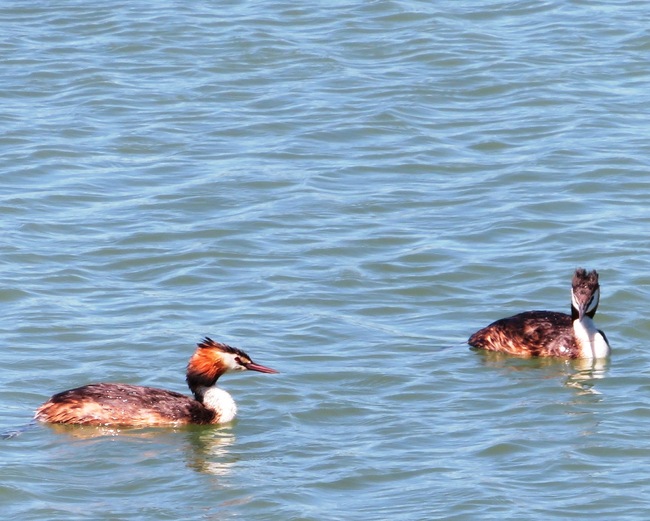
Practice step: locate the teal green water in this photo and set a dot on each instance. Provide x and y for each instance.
(346, 191)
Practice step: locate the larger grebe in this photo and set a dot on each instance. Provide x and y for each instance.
(548, 333)
(134, 405)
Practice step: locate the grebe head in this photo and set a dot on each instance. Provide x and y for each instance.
(212, 359)
(585, 294)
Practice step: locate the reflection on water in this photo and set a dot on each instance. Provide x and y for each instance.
(206, 447)
(208, 450)
(91, 431)
(580, 374)
(586, 373)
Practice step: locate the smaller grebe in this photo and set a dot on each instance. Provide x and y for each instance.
(548, 333)
(134, 405)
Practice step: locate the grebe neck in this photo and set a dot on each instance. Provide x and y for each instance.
(219, 401)
(200, 383)
(592, 341)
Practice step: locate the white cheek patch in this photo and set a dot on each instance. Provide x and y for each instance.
(594, 301)
(231, 362)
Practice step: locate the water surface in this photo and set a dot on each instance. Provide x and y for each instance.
(346, 191)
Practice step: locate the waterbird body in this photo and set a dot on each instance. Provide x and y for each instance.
(134, 405)
(549, 333)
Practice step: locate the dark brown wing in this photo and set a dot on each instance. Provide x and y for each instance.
(122, 404)
(532, 333)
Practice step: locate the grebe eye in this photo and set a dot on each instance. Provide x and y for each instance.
(242, 361)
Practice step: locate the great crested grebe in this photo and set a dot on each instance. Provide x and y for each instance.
(548, 333)
(134, 405)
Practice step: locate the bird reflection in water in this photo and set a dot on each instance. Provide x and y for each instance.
(580, 374)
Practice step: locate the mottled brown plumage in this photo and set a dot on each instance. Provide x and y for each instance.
(134, 405)
(122, 404)
(549, 333)
(532, 333)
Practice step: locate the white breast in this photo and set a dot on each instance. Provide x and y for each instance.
(221, 402)
(592, 343)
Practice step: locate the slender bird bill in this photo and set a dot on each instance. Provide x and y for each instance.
(252, 366)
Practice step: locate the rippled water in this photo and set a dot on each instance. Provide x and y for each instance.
(346, 191)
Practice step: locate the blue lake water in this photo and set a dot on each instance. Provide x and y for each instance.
(346, 191)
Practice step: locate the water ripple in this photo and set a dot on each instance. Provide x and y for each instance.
(346, 192)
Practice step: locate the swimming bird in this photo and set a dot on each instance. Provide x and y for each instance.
(549, 333)
(134, 405)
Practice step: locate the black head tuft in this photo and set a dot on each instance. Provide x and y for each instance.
(585, 281)
(208, 343)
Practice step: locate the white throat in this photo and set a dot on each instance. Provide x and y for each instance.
(591, 341)
(219, 401)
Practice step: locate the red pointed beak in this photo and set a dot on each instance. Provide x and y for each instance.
(260, 368)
